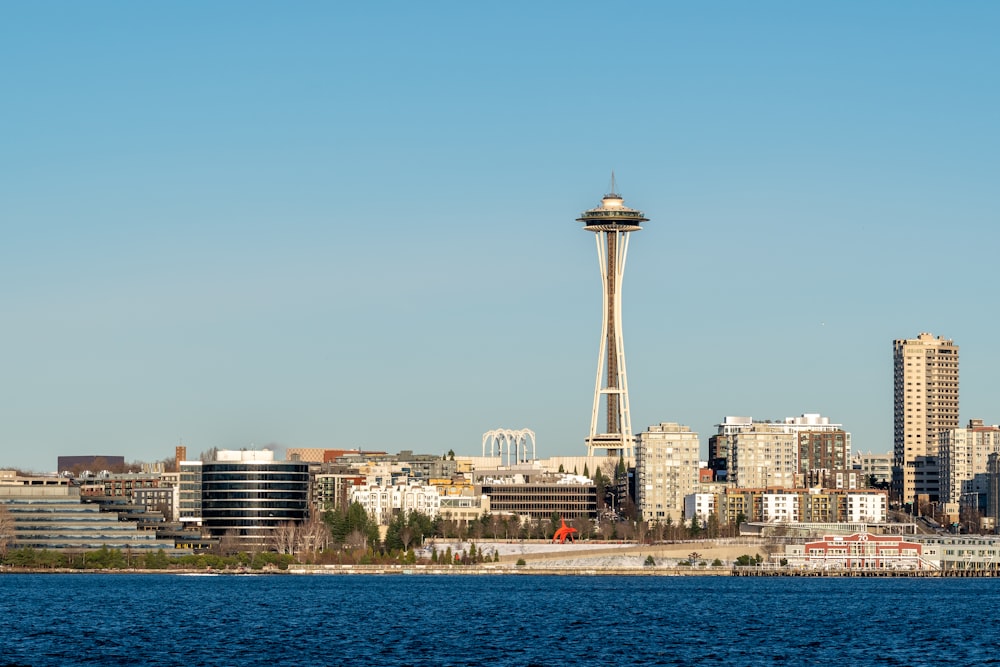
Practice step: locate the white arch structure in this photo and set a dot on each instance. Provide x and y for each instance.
(513, 443)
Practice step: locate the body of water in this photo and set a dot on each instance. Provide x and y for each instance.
(124, 619)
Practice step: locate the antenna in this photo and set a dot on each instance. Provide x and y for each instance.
(613, 191)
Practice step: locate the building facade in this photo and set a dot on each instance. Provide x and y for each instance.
(765, 455)
(667, 470)
(877, 467)
(963, 453)
(823, 450)
(819, 506)
(820, 444)
(383, 502)
(858, 551)
(246, 495)
(925, 403)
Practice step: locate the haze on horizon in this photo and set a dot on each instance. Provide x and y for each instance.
(326, 225)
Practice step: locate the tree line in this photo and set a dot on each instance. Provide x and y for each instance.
(349, 535)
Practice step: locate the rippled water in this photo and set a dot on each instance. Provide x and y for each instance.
(494, 620)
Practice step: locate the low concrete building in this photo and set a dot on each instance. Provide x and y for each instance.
(535, 494)
(49, 513)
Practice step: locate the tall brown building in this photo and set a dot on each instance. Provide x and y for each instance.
(925, 402)
(823, 450)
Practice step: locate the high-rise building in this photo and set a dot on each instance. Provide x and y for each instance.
(823, 450)
(925, 402)
(821, 445)
(611, 223)
(764, 456)
(666, 470)
(963, 453)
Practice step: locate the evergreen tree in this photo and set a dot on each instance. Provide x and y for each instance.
(695, 526)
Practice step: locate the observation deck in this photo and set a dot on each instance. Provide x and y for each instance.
(612, 216)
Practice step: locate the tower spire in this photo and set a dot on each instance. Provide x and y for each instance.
(611, 222)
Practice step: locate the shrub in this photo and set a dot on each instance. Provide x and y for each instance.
(650, 561)
(520, 561)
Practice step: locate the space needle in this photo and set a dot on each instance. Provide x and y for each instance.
(611, 223)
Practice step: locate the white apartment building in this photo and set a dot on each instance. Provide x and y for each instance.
(866, 508)
(780, 507)
(667, 464)
(384, 502)
(701, 505)
(962, 454)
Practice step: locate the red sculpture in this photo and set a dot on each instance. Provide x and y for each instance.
(563, 532)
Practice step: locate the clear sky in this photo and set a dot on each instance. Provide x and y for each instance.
(341, 224)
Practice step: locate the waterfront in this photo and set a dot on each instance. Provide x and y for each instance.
(493, 620)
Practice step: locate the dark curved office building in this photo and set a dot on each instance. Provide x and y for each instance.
(247, 494)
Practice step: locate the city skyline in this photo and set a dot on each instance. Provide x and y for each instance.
(319, 226)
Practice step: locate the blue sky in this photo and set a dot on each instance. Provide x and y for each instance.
(352, 224)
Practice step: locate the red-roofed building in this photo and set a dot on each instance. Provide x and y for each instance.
(859, 551)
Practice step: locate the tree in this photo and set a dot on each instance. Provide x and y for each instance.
(229, 543)
(650, 561)
(695, 528)
(6, 530)
(284, 537)
(312, 537)
(712, 526)
(351, 527)
(599, 485)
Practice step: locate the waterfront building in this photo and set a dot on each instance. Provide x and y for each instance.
(864, 551)
(247, 494)
(962, 455)
(925, 403)
(667, 470)
(962, 552)
(612, 222)
(49, 513)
